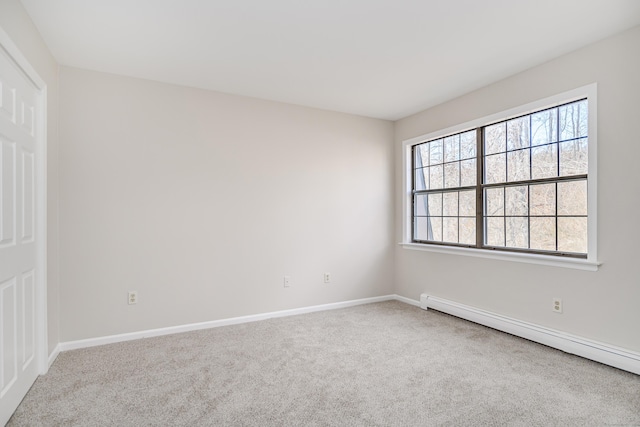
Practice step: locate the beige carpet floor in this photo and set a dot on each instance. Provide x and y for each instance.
(384, 364)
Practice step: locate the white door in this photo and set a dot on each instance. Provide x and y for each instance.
(18, 240)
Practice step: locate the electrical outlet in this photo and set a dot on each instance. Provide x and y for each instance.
(557, 305)
(327, 277)
(133, 297)
(287, 281)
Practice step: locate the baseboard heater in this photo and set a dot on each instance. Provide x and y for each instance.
(600, 352)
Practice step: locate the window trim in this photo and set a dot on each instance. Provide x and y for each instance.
(591, 262)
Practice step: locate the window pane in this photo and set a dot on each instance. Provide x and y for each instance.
(468, 145)
(452, 148)
(495, 169)
(452, 175)
(421, 230)
(572, 198)
(573, 120)
(468, 172)
(572, 235)
(495, 138)
(518, 133)
(518, 165)
(420, 205)
(517, 232)
(573, 157)
(494, 201)
(544, 127)
(435, 204)
(516, 201)
(435, 177)
(450, 204)
(421, 179)
(467, 204)
(543, 233)
(542, 200)
(544, 161)
(436, 228)
(450, 230)
(494, 230)
(435, 152)
(467, 231)
(421, 155)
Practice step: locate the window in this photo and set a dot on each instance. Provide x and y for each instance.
(519, 183)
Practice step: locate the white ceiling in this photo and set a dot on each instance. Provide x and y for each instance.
(376, 58)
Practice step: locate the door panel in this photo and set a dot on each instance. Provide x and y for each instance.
(9, 305)
(7, 192)
(28, 196)
(28, 318)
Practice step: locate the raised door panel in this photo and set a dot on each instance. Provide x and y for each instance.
(28, 217)
(9, 337)
(7, 192)
(28, 324)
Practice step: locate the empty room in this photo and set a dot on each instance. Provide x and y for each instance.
(290, 213)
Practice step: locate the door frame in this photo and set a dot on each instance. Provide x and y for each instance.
(14, 53)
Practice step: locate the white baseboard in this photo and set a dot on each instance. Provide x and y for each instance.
(54, 354)
(600, 352)
(406, 300)
(92, 342)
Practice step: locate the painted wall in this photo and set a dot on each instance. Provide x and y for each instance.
(18, 25)
(600, 305)
(202, 202)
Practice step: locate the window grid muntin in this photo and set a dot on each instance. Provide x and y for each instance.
(555, 215)
(440, 215)
(440, 158)
(556, 141)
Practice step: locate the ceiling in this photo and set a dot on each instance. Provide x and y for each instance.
(378, 58)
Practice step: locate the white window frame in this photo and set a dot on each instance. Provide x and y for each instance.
(591, 262)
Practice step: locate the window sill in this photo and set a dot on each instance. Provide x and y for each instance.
(554, 261)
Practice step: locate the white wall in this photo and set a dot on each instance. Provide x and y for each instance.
(600, 305)
(203, 201)
(18, 25)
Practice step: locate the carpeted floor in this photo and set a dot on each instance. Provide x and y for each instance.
(384, 364)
